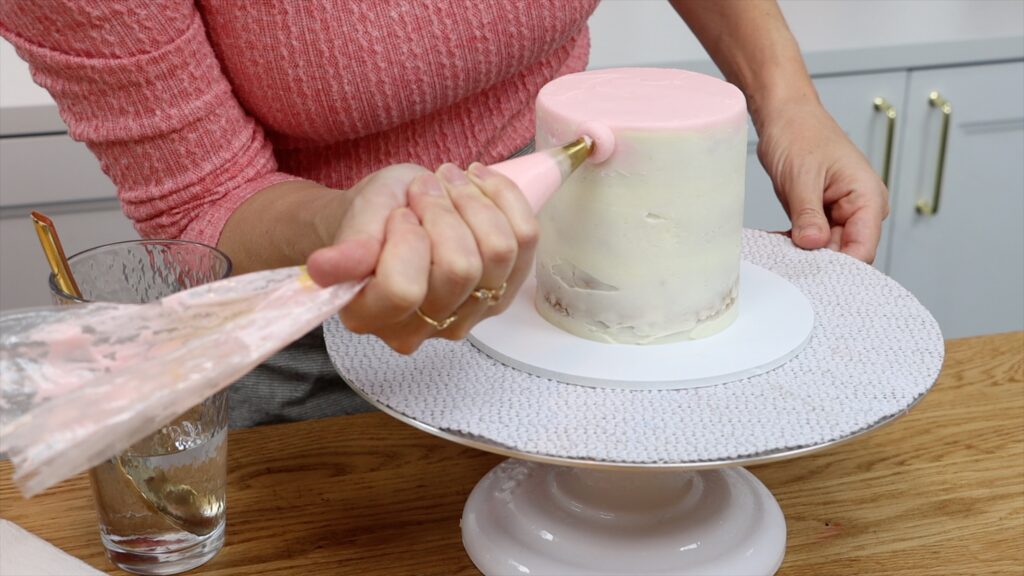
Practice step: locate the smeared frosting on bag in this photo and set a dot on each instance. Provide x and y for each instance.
(82, 383)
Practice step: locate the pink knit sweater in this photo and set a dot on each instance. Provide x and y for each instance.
(193, 107)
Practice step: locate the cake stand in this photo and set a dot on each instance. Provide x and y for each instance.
(624, 480)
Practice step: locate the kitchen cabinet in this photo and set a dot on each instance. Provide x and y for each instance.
(965, 261)
(60, 177)
(50, 169)
(964, 257)
(23, 269)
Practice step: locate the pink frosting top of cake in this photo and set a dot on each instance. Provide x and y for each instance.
(642, 98)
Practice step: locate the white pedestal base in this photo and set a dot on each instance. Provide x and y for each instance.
(538, 519)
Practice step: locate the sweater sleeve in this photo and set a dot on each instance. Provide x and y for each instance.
(139, 83)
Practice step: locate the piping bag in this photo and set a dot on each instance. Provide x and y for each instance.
(80, 384)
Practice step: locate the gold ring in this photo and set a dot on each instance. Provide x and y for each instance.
(492, 297)
(438, 325)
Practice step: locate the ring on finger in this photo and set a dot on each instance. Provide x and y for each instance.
(436, 324)
(491, 296)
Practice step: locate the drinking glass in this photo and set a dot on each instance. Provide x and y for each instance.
(161, 503)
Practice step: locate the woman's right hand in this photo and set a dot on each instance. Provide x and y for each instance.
(446, 245)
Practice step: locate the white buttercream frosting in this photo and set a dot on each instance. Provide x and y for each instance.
(645, 246)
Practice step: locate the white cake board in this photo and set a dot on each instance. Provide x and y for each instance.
(618, 464)
(774, 323)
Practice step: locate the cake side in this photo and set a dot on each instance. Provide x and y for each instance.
(644, 248)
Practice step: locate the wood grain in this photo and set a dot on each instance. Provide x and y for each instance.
(939, 492)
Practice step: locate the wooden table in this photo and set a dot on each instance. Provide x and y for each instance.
(939, 492)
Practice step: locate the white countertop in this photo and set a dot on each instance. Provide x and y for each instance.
(836, 37)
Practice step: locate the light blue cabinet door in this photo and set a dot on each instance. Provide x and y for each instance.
(850, 100)
(965, 262)
(24, 274)
(61, 178)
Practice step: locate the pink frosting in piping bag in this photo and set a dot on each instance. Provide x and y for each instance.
(539, 175)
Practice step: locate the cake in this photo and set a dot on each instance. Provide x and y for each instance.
(644, 247)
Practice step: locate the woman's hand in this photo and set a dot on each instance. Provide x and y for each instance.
(446, 250)
(832, 195)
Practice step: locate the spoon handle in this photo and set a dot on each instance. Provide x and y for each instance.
(54, 251)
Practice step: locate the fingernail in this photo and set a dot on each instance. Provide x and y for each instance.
(806, 230)
(408, 216)
(479, 171)
(429, 185)
(453, 175)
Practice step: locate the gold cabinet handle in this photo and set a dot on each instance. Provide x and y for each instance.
(931, 207)
(883, 106)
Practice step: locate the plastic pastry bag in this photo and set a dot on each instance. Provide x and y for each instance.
(80, 384)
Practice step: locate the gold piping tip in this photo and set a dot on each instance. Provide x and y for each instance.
(54, 252)
(578, 151)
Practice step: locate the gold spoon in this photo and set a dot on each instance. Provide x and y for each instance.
(179, 504)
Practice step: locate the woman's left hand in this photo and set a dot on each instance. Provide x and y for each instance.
(833, 196)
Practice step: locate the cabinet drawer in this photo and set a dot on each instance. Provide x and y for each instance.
(40, 170)
(23, 269)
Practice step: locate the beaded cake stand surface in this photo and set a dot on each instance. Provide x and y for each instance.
(606, 480)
